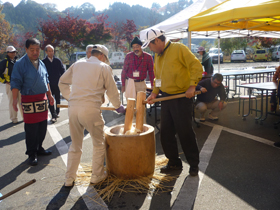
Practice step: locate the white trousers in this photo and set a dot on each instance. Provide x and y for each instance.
(91, 119)
(213, 105)
(13, 113)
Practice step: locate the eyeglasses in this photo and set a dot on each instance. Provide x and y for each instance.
(217, 83)
(136, 47)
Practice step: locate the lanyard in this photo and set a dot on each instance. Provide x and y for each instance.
(165, 49)
(135, 62)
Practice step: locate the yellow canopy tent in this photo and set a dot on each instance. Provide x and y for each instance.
(262, 15)
(259, 18)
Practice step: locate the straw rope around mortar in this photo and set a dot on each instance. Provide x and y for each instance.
(111, 185)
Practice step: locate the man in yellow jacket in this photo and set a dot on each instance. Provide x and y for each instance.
(177, 71)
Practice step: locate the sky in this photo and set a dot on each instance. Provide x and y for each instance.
(98, 4)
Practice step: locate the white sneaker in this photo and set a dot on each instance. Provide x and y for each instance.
(69, 183)
(211, 117)
(15, 121)
(96, 179)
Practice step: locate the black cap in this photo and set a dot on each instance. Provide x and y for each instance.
(136, 40)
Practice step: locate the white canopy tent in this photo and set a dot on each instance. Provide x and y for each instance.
(176, 27)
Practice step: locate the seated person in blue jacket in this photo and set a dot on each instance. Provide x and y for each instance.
(211, 88)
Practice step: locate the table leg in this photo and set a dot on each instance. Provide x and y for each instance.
(266, 108)
(260, 117)
(249, 109)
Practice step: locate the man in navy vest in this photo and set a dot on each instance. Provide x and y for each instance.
(55, 69)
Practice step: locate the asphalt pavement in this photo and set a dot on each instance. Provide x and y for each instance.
(239, 167)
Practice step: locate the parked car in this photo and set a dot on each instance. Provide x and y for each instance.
(238, 55)
(260, 55)
(213, 53)
(116, 59)
(276, 53)
(76, 56)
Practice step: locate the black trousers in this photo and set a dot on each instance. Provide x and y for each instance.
(56, 94)
(34, 136)
(176, 118)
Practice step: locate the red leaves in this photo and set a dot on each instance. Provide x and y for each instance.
(122, 32)
(129, 28)
(262, 42)
(72, 31)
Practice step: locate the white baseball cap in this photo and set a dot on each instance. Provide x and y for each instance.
(11, 49)
(103, 49)
(151, 35)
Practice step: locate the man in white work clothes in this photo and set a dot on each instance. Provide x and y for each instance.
(89, 78)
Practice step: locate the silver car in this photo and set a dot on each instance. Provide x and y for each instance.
(213, 53)
(276, 53)
(238, 55)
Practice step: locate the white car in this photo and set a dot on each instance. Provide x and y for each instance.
(116, 59)
(238, 55)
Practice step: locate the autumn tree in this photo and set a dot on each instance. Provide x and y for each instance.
(19, 41)
(6, 34)
(263, 42)
(117, 34)
(128, 29)
(70, 32)
(97, 33)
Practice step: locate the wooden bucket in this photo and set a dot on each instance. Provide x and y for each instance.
(130, 156)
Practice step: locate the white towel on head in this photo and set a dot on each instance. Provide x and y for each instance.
(130, 91)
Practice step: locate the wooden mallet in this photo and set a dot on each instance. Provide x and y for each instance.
(140, 109)
(129, 114)
(102, 107)
(182, 95)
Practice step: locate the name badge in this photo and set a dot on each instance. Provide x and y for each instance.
(158, 83)
(136, 74)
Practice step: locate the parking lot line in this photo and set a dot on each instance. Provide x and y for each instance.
(189, 189)
(85, 191)
(239, 133)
